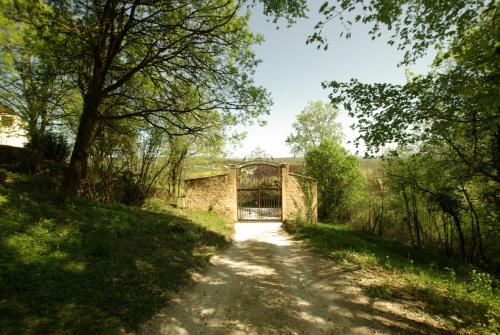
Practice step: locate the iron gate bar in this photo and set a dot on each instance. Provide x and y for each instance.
(256, 203)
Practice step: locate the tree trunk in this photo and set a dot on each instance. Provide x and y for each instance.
(461, 238)
(77, 168)
(381, 214)
(415, 217)
(381, 187)
(433, 218)
(447, 245)
(408, 215)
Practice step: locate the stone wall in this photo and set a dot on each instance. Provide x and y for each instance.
(295, 200)
(219, 194)
(215, 193)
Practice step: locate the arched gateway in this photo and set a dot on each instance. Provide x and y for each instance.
(256, 191)
(259, 192)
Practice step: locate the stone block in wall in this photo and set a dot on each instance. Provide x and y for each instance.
(295, 197)
(214, 193)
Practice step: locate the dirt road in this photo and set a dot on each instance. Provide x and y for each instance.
(267, 283)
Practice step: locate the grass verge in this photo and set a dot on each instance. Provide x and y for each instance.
(88, 268)
(465, 297)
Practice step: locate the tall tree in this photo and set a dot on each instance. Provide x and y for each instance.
(32, 85)
(456, 105)
(316, 123)
(457, 100)
(115, 48)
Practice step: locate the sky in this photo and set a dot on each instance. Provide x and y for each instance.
(293, 71)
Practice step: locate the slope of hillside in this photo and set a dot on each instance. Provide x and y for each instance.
(87, 268)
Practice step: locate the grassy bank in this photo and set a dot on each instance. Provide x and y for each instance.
(464, 296)
(87, 268)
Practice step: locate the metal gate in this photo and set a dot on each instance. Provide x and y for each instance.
(259, 192)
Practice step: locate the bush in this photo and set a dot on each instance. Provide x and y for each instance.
(124, 187)
(291, 226)
(55, 147)
(43, 155)
(3, 175)
(338, 176)
(132, 190)
(10, 155)
(49, 146)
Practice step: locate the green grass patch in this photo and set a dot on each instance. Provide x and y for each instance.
(466, 296)
(87, 268)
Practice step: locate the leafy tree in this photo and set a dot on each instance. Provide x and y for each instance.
(439, 203)
(414, 25)
(145, 57)
(451, 114)
(33, 87)
(131, 160)
(453, 108)
(455, 102)
(258, 153)
(316, 123)
(338, 177)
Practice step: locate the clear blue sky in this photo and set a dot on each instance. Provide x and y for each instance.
(293, 71)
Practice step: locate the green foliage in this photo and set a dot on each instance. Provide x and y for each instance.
(291, 226)
(413, 26)
(465, 298)
(90, 268)
(441, 194)
(50, 146)
(338, 176)
(481, 282)
(306, 186)
(451, 112)
(288, 9)
(3, 175)
(35, 88)
(186, 69)
(426, 200)
(316, 123)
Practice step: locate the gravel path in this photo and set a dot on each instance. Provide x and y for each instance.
(267, 283)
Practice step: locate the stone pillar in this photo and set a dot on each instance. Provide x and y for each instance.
(284, 191)
(232, 185)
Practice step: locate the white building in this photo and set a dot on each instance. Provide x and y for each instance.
(11, 129)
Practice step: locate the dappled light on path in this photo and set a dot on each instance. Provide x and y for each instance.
(267, 283)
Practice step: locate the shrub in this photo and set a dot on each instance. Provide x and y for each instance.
(338, 176)
(480, 282)
(3, 175)
(55, 147)
(291, 226)
(49, 146)
(125, 187)
(133, 191)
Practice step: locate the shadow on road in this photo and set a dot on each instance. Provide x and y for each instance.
(266, 283)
